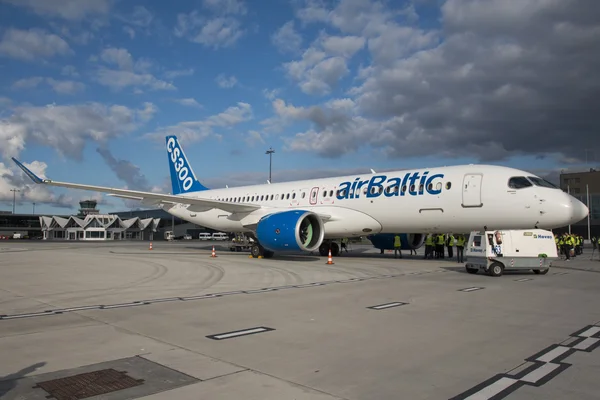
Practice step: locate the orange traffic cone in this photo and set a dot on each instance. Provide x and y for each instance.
(150, 248)
(329, 259)
(213, 252)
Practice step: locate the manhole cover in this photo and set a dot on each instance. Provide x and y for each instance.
(89, 384)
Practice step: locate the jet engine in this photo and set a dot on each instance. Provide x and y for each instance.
(409, 241)
(295, 230)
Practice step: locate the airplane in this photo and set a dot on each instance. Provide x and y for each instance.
(306, 215)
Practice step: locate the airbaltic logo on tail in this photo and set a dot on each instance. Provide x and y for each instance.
(183, 172)
(414, 184)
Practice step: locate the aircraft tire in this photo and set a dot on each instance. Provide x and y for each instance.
(335, 250)
(256, 250)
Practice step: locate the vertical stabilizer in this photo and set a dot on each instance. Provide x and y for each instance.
(183, 179)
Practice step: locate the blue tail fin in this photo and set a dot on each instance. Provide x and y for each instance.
(183, 178)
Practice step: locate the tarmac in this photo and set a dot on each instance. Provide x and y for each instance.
(115, 321)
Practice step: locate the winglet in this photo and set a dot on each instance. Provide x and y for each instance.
(30, 174)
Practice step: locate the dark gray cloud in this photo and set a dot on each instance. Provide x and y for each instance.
(125, 171)
(507, 78)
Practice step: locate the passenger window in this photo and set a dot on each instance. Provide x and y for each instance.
(519, 182)
(420, 188)
(303, 194)
(276, 197)
(448, 185)
(331, 193)
(287, 197)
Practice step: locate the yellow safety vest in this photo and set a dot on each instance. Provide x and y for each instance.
(429, 240)
(451, 241)
(397, 242)
(460, 242)
(440, 239)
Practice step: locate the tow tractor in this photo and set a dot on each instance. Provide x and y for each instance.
(241, 242)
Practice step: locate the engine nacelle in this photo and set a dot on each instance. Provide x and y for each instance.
(385, 241)
(296, 230)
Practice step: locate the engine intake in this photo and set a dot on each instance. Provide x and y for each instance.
(296, 230)
(409, 241)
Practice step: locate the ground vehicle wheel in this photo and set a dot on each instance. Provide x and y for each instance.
(472, 270)
(496, 269)
(541, 271)
(256, 251)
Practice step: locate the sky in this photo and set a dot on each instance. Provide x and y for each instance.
(90, 89)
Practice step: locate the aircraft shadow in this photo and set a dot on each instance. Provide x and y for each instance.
(463, 270)
(9, 382)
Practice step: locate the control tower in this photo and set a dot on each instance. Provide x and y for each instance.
(88, 207)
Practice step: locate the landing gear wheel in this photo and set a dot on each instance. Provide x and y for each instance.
(496, 269)
(256, 251)
(335, 250)
(472, 270)
(541, 271)
(324, 249)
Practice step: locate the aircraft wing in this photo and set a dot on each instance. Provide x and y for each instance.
(147, 197)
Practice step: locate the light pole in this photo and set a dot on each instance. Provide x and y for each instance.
(270, 153)
(14, 197)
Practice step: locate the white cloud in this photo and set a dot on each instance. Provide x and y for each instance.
(28, 83)
(69, 70)
(286, 39)
(315, 73)
(129, 73)
(65, 87)
(201, 129)
(226, 82)
(31, 44)
(68, 9)
(218, 32)
(66, 128)
(344, 46)
(189, 102)
(226, 6)
(130, 31)
(254, 137)
(179, 72)
(59, 86)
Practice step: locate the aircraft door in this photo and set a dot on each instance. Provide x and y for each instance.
(471, 190)
(314, 193)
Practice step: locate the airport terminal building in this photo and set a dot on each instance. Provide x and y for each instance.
(585, 186)
(89, 224)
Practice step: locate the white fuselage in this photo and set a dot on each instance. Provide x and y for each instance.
(457, 199)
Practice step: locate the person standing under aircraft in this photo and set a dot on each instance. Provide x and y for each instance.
(344, 245)
(397, 246)
(428, 246)
(460, 247)
(567, 247)
(440, 246)
(450, 245)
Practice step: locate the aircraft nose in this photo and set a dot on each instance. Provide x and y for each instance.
(578, 210)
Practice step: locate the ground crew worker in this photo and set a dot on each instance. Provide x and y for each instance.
(460, 247)
(397, 246)
(344, 243)
(440, 246)
(429, 246)
(567, 246)
(450, 244)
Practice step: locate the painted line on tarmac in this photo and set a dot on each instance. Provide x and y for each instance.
(543, 367)
(523, 280)
(388, 305)
(200, 297)
(243, 332)
(470, 289)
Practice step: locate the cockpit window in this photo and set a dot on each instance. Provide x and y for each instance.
(518, 182)
(542, 182)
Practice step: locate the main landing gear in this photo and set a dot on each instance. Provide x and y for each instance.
(258, 251)
(329, 244)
